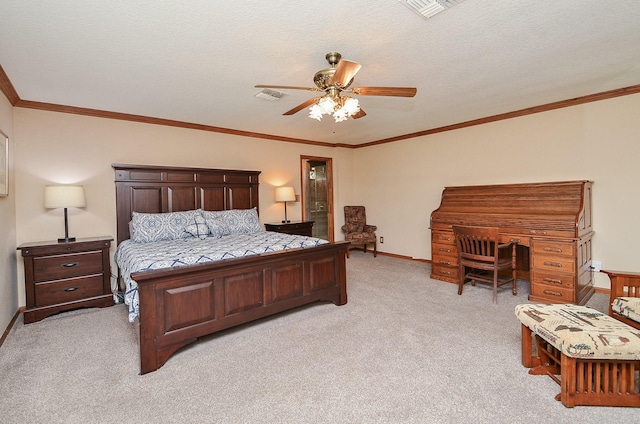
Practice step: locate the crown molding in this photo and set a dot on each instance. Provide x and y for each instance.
(7, 88)
(9, 91)
(634, 89)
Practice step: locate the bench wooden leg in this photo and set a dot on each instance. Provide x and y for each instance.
(529, 360)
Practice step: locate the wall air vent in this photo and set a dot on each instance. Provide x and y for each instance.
(428, 8)
(271, 95)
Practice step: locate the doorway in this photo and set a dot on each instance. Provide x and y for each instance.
(317, 194)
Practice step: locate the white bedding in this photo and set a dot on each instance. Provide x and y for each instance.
(133, 257)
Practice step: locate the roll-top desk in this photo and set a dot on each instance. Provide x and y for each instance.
(551, 223)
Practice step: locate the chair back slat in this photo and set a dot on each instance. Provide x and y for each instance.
(477, 243)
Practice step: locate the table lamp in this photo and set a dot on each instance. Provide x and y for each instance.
(285, 194)
(64, 197)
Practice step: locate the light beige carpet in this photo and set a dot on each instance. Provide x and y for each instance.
(405, 349)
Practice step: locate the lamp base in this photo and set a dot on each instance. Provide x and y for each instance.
(66, 240)
(286, 221)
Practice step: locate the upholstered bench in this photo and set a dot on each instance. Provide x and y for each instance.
(596, 357)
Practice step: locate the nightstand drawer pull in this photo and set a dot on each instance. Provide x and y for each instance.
(442, 249)
(552, 293)
(70, 264)
(556, 264)
(70, 289)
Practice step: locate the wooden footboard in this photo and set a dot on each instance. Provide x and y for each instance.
(178, 305)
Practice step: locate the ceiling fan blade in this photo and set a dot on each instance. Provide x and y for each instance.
(288, 87)
(345, 71)
(359, 114)
(302, 106)
(385, 91)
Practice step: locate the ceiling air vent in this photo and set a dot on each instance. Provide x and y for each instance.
(271, 95)
(428, 8)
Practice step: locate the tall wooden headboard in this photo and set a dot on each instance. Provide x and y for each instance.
(155, 189)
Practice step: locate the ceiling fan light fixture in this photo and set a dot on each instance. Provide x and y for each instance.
(327, 105)
(351, 105)
(315, 112)
(340, 107)
(333, 82)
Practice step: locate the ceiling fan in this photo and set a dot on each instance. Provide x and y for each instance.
(334, 82)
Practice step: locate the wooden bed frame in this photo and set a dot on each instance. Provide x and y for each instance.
(178, 305)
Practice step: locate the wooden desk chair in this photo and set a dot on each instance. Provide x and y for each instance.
(480, 251)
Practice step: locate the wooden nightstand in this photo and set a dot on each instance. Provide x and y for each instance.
(64, 276)
(301, 228)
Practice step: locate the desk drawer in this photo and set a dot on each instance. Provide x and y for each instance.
(443, 237)
(444, 250)
(554, 263)
(446, 273)
(68, 290)
(553, 294)
(445, 260)
(555, 248)
(57, 267)
(553, 280)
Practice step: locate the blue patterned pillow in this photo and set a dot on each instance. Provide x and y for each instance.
(150, 227)
(198, 228)
(243, 221)
(216, 223)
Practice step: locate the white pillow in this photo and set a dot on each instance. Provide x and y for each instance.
(149, 227)
(216, 223)
(243, 221)
(198, 228)
(234, 221)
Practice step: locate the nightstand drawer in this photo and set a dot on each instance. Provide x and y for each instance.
(56, 267)
(67, 290)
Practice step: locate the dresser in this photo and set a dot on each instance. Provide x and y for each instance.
(301, 228)
(551, 223)
(64, 276)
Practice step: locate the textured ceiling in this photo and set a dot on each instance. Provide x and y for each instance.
(197, 61)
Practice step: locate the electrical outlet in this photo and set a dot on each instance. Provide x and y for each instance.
(381, 240)
(596, 265)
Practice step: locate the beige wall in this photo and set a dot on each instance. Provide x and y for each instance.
(8, 278)
(401, 183)
(57, 148)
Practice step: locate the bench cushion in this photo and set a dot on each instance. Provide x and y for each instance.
(627, 307)
(581, 332)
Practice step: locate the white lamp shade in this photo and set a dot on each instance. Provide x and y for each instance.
(64, 197)
(285, 194)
